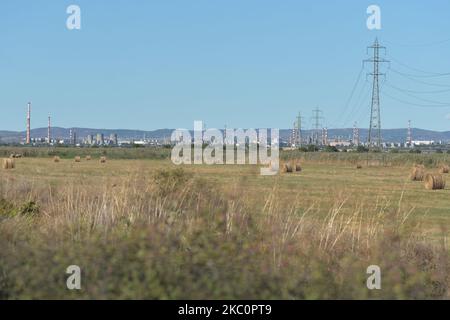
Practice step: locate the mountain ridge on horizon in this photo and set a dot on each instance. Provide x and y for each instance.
(391, 135)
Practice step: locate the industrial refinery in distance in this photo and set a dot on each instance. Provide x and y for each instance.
(314, 137)
(56, 136)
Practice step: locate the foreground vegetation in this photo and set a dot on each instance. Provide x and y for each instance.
(148, 230)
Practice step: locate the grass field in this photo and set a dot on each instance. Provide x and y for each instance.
(145, 228)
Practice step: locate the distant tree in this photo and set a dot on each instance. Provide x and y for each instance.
(448, 151)
(394, 150)
(331, 149)
(415, 151)
(362, 149)
(303, 149)
(439, 151)
(312, 148)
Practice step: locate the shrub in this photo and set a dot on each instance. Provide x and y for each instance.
(362, 149)
(331, 149)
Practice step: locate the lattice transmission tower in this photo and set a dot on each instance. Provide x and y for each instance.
(296, 135)
(317, 119)
(374, 138)
(355, 138)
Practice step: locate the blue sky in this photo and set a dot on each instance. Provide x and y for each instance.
(244, 63)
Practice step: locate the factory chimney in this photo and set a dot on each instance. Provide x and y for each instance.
(49, 130)
(28, 141)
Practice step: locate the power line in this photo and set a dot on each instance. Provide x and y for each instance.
(420, 92)
(418, 98)
(414, 104)
(425, 76)
(351, 95)
(438, 42)
(431, 73)
(360, 101)
(418, 81)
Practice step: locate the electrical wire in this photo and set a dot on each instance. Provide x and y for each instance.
(414, 104)
(351, 95)
(361, 99)
(418, 81)
(421, 92)
(425, 76)
(430, 73)
(418, 98)
(438, 42)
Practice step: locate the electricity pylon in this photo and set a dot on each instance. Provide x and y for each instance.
(374, 138)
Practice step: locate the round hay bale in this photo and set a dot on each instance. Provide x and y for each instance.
(77, 159)
(287, 168)
(444, 169)
(434, 182)
(88, 158)
(417, 174)
(56, 159)
(9, 164)
(103, 160)
(358, 166)
(298, 167)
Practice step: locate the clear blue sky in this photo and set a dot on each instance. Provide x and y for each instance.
(245, 63)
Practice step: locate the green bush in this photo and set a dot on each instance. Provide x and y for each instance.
(362, 149)
(331, 149)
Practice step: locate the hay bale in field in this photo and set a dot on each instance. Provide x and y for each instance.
(88, 158)
(56, 159)
(77, 159)
(103, 160)
(298, 167)
(287, 168)
(444, 169)
(358, 166)
(417, 174)
(9, 164)
(15, 156)
(434, 182)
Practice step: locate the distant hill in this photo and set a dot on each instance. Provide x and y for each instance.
(390, 135)
(64, 133)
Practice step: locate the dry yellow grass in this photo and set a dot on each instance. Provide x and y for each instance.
(117, 214)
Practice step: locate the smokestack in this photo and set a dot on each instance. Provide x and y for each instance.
(409, 138)
(28, 141)
(49, 130)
